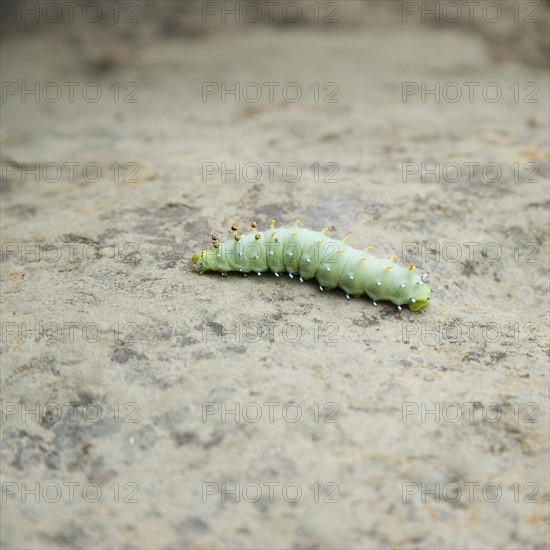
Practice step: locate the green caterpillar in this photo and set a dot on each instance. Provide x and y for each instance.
(311, 254)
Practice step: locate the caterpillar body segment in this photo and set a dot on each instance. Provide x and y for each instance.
(310, 254)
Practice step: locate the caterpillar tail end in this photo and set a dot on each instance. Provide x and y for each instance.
(422, 299)
(418, 305)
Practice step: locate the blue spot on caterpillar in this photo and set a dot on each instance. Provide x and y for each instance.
(311, 254)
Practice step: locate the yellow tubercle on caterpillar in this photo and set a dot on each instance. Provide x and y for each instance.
(297, 222)
(324, 230)
(345, 239)
(272, 223)
(394, 258)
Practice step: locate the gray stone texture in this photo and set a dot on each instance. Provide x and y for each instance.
(143, 337)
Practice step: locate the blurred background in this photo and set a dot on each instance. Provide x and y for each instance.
(144, 406)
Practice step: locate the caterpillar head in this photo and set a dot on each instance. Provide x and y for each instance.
(421, 297)
(203, 259)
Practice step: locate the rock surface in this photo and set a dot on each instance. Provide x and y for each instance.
(134, 363)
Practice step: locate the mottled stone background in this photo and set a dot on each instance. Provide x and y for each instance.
(132, 361)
